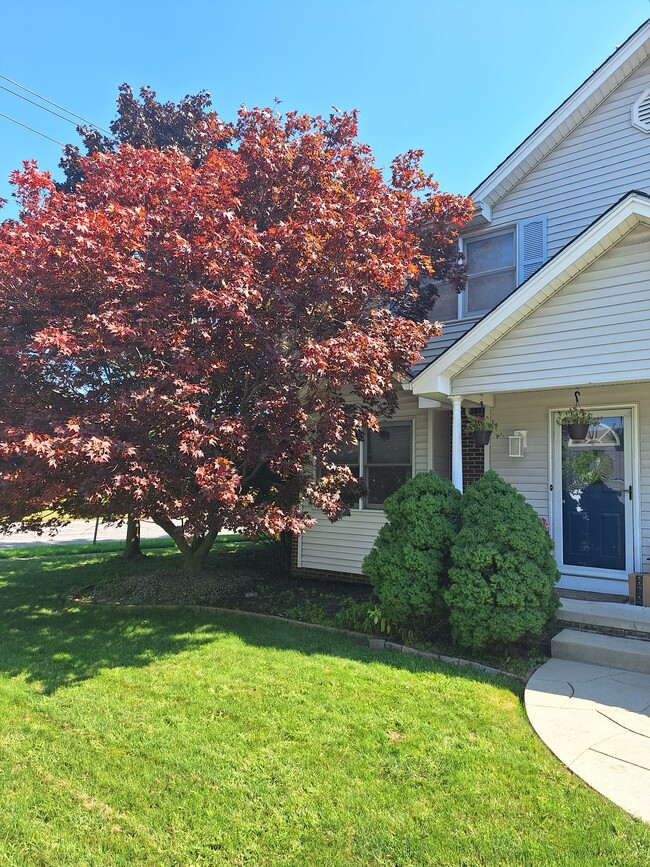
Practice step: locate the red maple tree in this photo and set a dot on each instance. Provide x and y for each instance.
(172, 333)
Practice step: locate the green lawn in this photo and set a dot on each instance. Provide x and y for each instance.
(177, 739)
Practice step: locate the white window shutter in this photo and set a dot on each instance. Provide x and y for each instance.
(532, 246)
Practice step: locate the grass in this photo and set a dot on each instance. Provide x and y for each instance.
(179, 739)
(239, 575)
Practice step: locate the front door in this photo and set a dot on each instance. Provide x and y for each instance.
(594, 496)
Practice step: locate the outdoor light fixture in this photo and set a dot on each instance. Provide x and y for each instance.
(517, 444)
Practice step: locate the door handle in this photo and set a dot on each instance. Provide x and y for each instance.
(629, 492)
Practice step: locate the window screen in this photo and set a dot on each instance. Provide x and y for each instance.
(388, 461)
(491, 271)
(348, 456)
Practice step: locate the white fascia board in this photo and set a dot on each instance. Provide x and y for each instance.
(428, 403)
(482, 215)
(565, 265)
(437, 388)
(596, 88)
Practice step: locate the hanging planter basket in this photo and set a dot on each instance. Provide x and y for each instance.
(481, 437)
(576, 420)
(578, 431)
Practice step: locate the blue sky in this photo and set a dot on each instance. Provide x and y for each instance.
(464, 80)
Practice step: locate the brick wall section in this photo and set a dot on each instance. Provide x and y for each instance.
(473, 456)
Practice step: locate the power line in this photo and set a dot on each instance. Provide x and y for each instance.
(55, 104)
(31, 129)
(31, 101)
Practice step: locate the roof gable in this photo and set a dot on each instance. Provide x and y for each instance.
(592, 330)
(582, 102)
(601, 236)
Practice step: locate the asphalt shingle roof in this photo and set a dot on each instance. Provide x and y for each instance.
(451, 332)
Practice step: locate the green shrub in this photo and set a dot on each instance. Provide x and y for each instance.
(503, 570)
(355, 616)
(409, 561)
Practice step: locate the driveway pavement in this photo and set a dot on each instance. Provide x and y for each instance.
(597, 721)
(77, 532)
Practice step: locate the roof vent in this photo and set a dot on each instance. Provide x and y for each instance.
(641, 112)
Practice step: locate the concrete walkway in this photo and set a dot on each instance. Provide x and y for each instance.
(78, 532)
(597, 721)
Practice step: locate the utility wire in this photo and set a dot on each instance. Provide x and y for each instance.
(31, 129)
(55, 113)
(55, 104)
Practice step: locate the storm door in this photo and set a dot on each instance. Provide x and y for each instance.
(594, 496)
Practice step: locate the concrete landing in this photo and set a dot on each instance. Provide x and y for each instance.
(610, 651)
(612, 616)
(597, 722)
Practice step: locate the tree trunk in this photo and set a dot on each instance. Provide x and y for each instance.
(194, 552)
(193, 561)
(286, 547)
(132, 545)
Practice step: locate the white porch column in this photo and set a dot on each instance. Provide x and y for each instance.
(457, 442)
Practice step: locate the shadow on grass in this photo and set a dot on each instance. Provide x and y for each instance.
(54, 644)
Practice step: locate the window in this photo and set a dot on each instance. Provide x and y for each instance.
(445, 308)
(499, 261)
(388, 461)
(491, 271)
(349, 456)
(641, 112)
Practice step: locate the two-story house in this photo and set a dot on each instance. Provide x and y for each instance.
(557, 302)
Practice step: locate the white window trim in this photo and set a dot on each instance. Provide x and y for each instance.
(362, 504)
(516, 229)
(474, 236)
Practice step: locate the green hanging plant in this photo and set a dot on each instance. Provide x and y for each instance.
(481, 423)
(576, 415)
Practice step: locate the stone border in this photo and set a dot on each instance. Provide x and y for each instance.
(377, 644)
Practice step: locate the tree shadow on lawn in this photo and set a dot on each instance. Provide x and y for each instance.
(54, 644)
(51, 643)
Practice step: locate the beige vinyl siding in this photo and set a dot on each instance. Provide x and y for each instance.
(593, 330)
(342, 546)
(601, 160)
(530, 412)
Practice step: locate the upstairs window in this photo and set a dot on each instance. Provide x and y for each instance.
(641, 112)
(445, 308)
(500, 261)
(491, 271)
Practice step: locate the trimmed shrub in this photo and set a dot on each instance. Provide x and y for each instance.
(503, 571)
(409, 561)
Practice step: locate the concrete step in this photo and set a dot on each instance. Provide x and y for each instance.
(610, 651)
(611, 617)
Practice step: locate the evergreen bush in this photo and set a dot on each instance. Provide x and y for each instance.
(408, 563)
(503, 571)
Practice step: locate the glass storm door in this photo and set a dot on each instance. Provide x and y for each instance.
(594, 513)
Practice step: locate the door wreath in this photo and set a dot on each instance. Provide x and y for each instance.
(592, 467)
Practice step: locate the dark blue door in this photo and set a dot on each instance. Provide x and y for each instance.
(594, 494)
